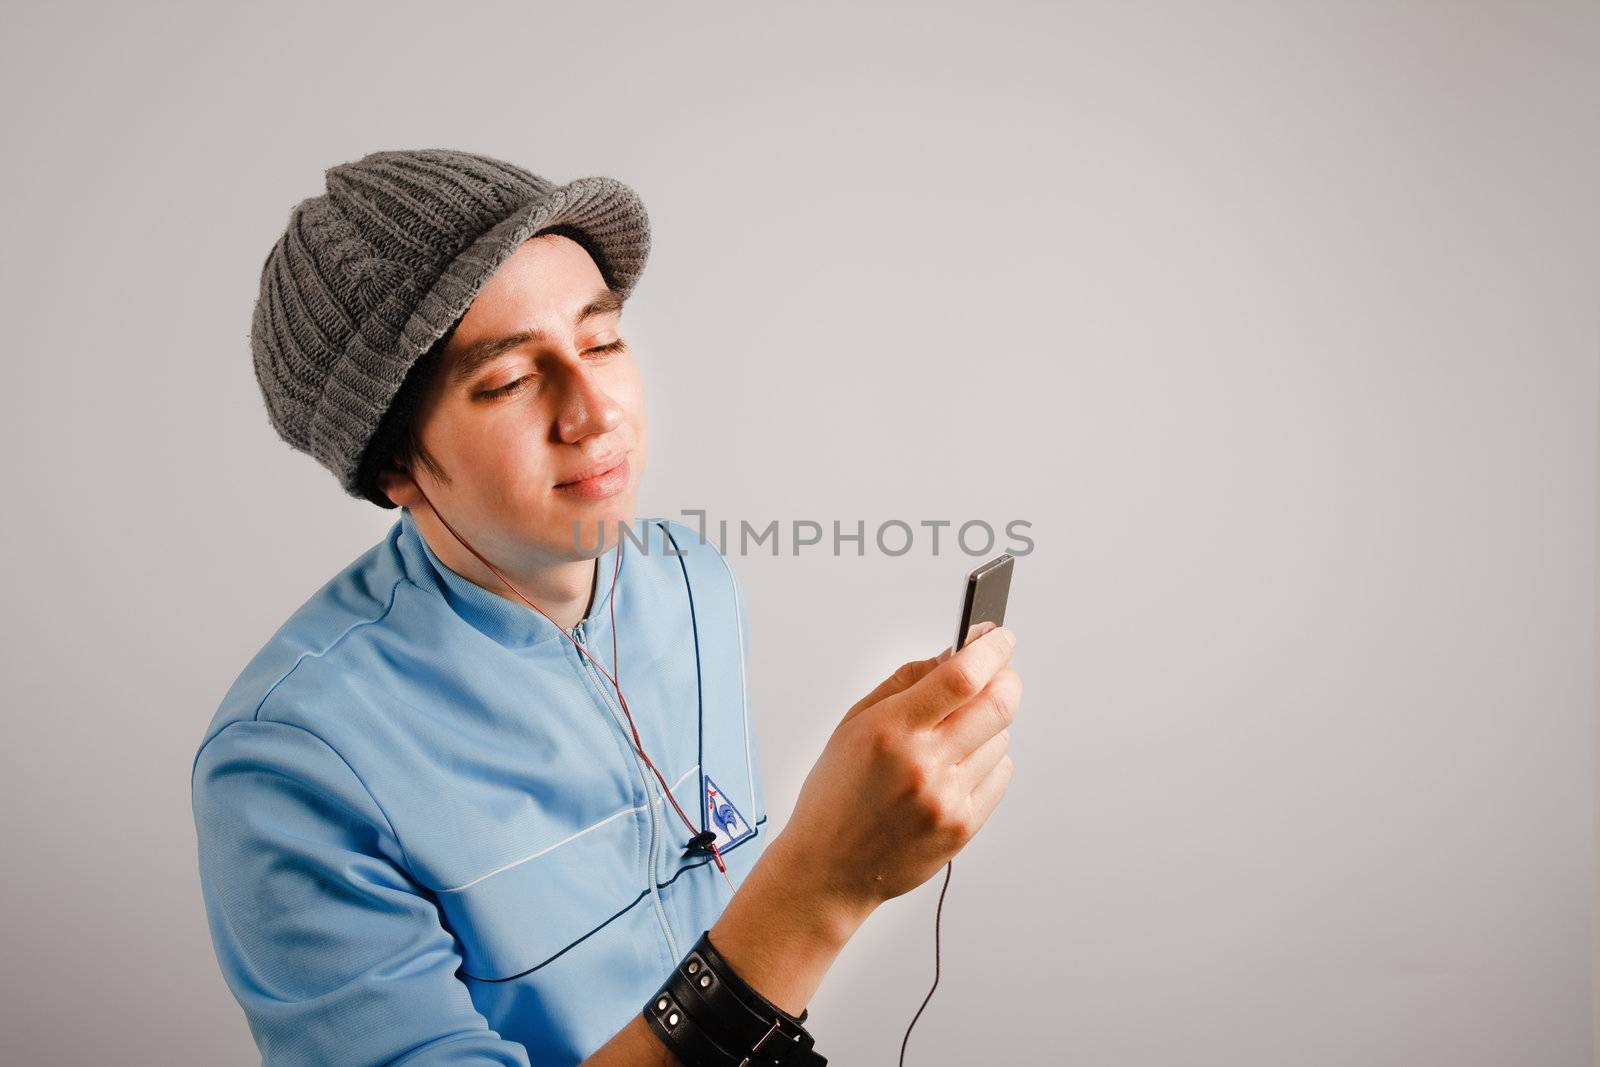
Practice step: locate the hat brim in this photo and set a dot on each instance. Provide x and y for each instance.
(607, 210)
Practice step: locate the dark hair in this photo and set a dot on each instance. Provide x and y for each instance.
(397, 442)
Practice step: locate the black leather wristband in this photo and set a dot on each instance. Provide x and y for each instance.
(740, 987)
(768, 1038)
(706, 992)
(688, 1042)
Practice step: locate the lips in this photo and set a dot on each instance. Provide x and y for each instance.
(598, 482)
(603, 467)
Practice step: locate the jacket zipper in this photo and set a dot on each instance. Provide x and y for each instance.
(651, 792)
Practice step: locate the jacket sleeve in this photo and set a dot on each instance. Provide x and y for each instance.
(334, 952)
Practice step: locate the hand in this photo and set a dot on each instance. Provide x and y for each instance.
(907, 779)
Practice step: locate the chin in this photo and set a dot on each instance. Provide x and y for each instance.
(597, 527)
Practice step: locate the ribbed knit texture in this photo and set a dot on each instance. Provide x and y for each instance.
(367, 276)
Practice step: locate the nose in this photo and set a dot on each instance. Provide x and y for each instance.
(586, 408)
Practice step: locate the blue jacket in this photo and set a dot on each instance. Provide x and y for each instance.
(424, 836)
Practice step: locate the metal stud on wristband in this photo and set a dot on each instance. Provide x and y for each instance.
(710, 1017)
(688, 1042)
(709, 996)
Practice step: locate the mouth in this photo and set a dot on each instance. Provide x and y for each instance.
(603, 479)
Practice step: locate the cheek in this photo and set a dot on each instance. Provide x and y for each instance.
(501, 448)
(628, 391)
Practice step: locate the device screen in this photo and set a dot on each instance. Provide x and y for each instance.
(983, 606)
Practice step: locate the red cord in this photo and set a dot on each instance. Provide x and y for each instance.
(614, 675)
(716, 853)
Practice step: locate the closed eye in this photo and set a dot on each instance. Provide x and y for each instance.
(619, 345)
(615, 346)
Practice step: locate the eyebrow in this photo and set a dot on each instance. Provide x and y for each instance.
(485, 349)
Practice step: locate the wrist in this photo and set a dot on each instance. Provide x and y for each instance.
(782, 931)
(795, 879)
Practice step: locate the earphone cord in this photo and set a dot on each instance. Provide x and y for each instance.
(949, 867)
(716, 853)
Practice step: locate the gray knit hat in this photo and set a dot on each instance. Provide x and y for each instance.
(367, 277)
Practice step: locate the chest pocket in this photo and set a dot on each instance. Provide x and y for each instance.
(517, 919)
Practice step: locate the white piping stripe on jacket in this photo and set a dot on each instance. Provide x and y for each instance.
(566, 840)
(744, 686)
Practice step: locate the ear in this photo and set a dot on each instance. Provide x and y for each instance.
(397, 485)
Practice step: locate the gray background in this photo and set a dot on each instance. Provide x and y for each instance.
(1282, 321)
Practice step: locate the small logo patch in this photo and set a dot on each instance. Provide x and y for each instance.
(723, 817)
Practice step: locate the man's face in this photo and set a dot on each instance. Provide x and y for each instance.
(515, 423)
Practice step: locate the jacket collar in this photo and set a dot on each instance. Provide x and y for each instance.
(503, 618)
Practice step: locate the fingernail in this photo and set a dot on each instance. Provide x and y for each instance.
(1011, 638)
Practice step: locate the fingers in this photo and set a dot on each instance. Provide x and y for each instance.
(977, 630)
(958, 679)
(990, 790)
(904, 678)
(976, 767)
(981, 718)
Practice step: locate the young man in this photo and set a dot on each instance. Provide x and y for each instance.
(440, 820)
